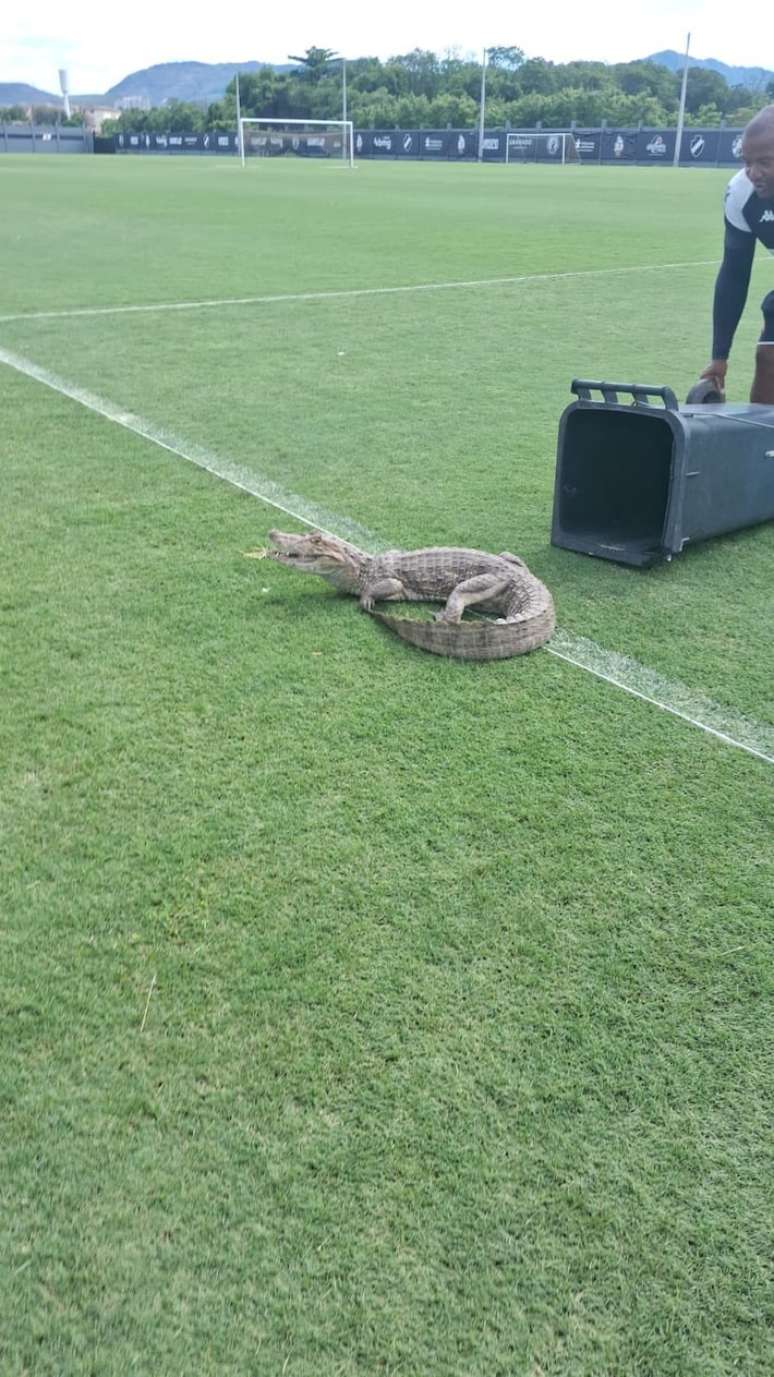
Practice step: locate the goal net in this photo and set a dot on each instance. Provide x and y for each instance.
(538, 146)
(277, 138)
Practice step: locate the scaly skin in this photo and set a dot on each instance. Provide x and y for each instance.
(462, 578)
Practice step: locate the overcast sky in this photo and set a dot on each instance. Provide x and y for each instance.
(100, 44)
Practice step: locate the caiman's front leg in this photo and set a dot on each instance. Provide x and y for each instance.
(482, 588)
(383, 590)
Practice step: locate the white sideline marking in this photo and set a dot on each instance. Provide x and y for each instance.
(668, 694)
(347, 292)
(673, 697)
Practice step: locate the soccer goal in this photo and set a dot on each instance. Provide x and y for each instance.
(538, 146)
(275, 138)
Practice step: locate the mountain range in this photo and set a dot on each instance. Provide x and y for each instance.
(202, 82)
(205, 82)
(754, 77)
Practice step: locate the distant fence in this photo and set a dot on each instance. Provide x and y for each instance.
(699, 147)
(40, 138)
(644, 147)
(641, 147)
(173, 143)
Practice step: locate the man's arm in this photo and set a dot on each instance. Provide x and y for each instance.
(731, 289)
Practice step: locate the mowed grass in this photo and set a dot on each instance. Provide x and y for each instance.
(364, 1012)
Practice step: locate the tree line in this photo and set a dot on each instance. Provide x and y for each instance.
(38, 114)
(423, 90)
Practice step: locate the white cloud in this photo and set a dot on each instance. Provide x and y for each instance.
(100, 48)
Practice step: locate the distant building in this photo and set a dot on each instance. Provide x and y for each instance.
(133, 103)
(94, 116)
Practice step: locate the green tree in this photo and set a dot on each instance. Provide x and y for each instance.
(705, 87)
(46, 114)
(509, 59)
(538, 77)
(374, 109)
(315, 62)
(421, 88)
(647, 78)
(706, 117)
(423, 70)
(459, 111)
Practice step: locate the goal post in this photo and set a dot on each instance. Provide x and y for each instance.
(267, 137)
(541, 146)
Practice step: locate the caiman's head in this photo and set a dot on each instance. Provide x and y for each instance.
(316, 552)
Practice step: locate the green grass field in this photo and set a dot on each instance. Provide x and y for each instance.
(364, 1012)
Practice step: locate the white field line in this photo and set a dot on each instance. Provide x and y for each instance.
(669, 695)
(348, 292)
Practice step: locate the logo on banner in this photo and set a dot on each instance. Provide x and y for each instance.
(383, 141)
(492, 145)
(206, 141)
(408, 143)
(736, 147)
(433, 145)
(161, 140)
(553, 146)
(359, 143)
(461, 144)
(618, 147)
(585, 145)
(224, 141)
(697, 145)
(656, 148)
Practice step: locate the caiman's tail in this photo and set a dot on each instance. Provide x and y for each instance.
(475, 640)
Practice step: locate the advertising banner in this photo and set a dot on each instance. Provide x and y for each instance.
(433, 143)
(652, 147)
(588, 143)
(494, 147)
(730, 147)
(655, 145)
(699, 146)
(177, 143)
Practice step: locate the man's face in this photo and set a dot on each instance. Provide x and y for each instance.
(758, 158)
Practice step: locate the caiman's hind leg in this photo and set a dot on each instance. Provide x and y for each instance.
(483, 588)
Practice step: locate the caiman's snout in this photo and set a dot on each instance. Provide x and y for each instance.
(310, 551)
(286, 546)
(317, 552)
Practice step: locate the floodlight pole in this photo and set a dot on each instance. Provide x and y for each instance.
(240, 131)
(64, 86)
(482, 108)
(344, 105)
(681, 113)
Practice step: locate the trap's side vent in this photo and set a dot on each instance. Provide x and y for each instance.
(638, 477)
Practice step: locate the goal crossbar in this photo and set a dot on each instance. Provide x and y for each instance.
(297, 129)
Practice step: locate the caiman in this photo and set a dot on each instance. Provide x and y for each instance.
(499, 584)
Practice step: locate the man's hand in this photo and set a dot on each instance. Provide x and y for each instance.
(717, 372)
